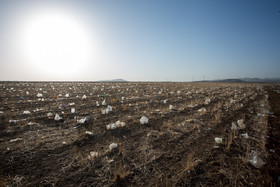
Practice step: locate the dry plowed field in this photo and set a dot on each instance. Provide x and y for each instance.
(90, 134)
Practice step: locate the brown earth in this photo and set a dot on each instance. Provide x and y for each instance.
(175, 148)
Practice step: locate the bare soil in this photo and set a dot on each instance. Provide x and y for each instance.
(175, 148)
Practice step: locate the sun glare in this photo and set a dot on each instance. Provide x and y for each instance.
(55, 42)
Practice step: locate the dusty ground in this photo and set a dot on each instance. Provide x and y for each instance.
(175, 148)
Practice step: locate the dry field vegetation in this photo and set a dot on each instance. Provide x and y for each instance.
(195, 134)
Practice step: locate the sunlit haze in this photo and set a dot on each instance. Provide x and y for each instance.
(139, 40)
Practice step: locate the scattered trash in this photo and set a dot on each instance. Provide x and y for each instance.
(241, 124)
(39, 95)
(113, 146)
(97, 104)
(89, 133)
(272, 150)
(267, 112)
(84, 120)
(144, 120)
(218, 140)
(93, 154)
(21, 98)
(111, 126)
(67, 95)
(15, 140)
(26, 112)
(30, 123)
(171, 107)
(207, 101)
(84, 97)
(104, 102)
(104, 112)
(13, 121)
(233, 126)
(245, 135)
(260, 115)
(73, 110)
(49, 114)
(202, 111)
(255, 160)
(77, 126)
(64, 143)
(115, 125)
(120, 124)
(57, 117)
(109, 108)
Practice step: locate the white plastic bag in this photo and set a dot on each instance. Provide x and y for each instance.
(218, 140)
(255, 160)
(57, 117)
(144, 120)
(113, 146)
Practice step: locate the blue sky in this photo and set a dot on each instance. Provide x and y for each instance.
(147, 40)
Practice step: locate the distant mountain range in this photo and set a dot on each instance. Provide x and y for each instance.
(114, 80)
(266, 80)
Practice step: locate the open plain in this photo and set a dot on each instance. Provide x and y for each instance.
(90, 134)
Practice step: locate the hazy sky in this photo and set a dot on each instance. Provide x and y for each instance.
(147, 40)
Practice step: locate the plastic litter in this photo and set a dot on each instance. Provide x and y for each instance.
(111, 126)
(84, 120)
(26, 112)
(113, 146)
(21, 98)
(13, 121)
(93, 154)
(207, 101)
(49, 114)
(57, 117)
(97, 104)
(120, 124)
(84, 97)
(270, 113)
(245, 135)
(260, 115)
(89, 133)
(15, 140)
(67, 95)
(109, 108)
(39, 95)
(103, 112)
(218, 140)
(144, 120)
(233, 126)
(104, 102)
(73, 110)
(106, 110)
(255, 160)
(171, 107)
(115, 125)
(241, 124)
(202, 110)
